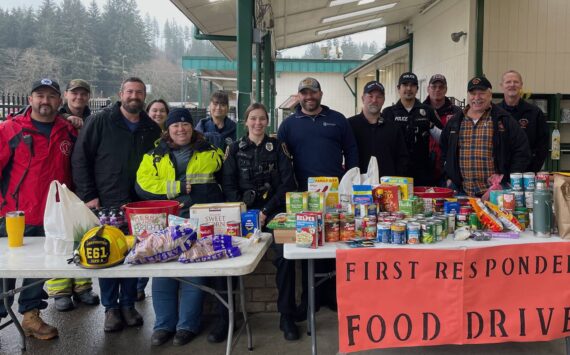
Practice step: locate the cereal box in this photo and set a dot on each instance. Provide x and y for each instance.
(406, 184)
(307, 229)
(296, 202)
(328, 185)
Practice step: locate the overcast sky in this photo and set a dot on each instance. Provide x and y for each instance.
(164, 10)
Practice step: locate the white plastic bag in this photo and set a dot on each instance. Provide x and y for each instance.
(372, 175)
(351, 177)
(66, 219)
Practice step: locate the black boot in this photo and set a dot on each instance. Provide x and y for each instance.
(220, 331)
(289, 328)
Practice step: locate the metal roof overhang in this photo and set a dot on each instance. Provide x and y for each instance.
(387, 56)
(296, 22)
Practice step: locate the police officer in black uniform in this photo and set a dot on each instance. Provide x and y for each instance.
(258, 171)
(417, 121)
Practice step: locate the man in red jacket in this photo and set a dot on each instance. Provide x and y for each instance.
(35, 149)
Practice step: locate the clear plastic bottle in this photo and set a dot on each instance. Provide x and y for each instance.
(555, 154)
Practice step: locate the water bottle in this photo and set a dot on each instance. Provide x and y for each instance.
(542, 213)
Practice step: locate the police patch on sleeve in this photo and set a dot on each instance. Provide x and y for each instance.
(227, 153)
(269, 146)
(285, 151)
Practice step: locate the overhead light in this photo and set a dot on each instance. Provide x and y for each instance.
(364, 2)
(358, 13)
(349, 26)
(340, 2)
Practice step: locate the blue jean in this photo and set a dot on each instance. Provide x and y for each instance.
(118, 293)
(30, 298)
(141, 283)
(177, 305)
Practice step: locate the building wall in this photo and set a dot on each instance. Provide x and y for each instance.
(435, 52)
(336, 93)
(532, 37)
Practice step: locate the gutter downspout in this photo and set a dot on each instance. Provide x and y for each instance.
(480, 14)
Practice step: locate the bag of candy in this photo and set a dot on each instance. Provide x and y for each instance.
(210, 248)
(161, 246)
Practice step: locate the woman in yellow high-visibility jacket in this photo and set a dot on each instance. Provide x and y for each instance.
(182, 166)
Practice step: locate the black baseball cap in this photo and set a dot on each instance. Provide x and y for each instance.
(438, 77)
(373, 85)
(45, 82)
(479, 82)
(309, 83)
(408, 77)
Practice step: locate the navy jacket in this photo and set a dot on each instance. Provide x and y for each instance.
(220, 138)
(319, 144)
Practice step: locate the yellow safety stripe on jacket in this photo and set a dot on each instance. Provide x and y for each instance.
(160, 178)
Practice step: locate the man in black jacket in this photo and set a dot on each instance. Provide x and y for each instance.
(417, 122)
(481, 141)
(376, 137)
(105, 160)
(529, 116)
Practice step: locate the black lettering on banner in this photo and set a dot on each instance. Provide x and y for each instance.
(440, 270)
(426, 316)
(544, 265)
(413, 273)
(522, 321)
(349, 269)
(473, 267)
(523, 264)
(557, 264)
(508, 266)
(381, 269)
(382, 328)
(366, 270)
(398, 270)
(352, 328)
(566, 319)
(491, 265)
(458, 270)
(568, 263)
(544, 327)
(397, 323)
(497, 324)
(470, 325)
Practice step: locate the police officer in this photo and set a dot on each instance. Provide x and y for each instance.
(418, 122)
(258, 171)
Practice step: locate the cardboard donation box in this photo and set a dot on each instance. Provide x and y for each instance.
(219, 214)
(282, 236)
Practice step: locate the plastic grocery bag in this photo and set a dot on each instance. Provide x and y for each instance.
(372, 175)
(66, 219)
(351, 177)
(495, 184)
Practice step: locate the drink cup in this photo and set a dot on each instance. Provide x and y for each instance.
(15, 225)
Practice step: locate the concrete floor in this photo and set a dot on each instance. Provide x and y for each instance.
(81, 332)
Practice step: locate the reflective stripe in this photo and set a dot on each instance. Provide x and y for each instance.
(171, 189)
(200, 178)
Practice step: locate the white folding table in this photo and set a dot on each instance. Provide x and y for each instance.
(30, 261)
(328, 251)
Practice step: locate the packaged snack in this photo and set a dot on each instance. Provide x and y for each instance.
(161, 246)
(406, 184)
(327, 185)
(307, 230)
(509, 221)
(210, 248)
(362, 194)
(249, 222)
(316, 201)
(296, 202)
(282, 221)
(486, 217)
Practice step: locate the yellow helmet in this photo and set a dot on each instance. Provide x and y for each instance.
(101, 247)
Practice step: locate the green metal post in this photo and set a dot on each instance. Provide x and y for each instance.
(258, 72)
(355, 95)
(272, 93)
(479, 41)
(377, 75)
(267, 77)
(211, 88)
(411, 53)
(200, 101)
(244, 60)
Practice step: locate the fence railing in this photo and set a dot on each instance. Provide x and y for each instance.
(11, 103)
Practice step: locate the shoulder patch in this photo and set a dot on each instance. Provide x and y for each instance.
(227, 154)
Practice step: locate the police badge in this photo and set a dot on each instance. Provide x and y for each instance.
(422, 112)
(269, 146)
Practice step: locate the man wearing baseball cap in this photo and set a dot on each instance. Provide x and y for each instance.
(417, 122)
(76, 106)
(376, 137)
(322, 144)
(35, 149)
(444, 109)
(481, 141)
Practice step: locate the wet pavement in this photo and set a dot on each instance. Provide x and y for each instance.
(81, 332)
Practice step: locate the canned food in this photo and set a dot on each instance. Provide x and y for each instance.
(438, 204)
(428, 233)
(509, 202)
(474, 222)
(233, 228)
(347, 227)
(414, 233)
(521, 214)
(332, 227)
(383, 233)
(390, 219)
(444, 232)
(359, 225)
(399, 215)
(465, 210)
(450, 222)
(438, 230)
(519, 198)
(398, 233)
(207, 230)
(528, 197)
(528, 181)
(461, 221)
(543, 176)
(517, 181)
(370, 231)
(372, 210)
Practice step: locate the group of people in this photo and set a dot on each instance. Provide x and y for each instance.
(126, 153)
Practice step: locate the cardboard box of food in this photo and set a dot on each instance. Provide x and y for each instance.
(328, 185)
(282, 236)
(219, 214)
(406, 184)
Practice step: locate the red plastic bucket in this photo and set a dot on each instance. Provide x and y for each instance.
(155, 212)
(435, 192)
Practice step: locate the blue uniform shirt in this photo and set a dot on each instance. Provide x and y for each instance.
(318, 144)
(220, 138)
